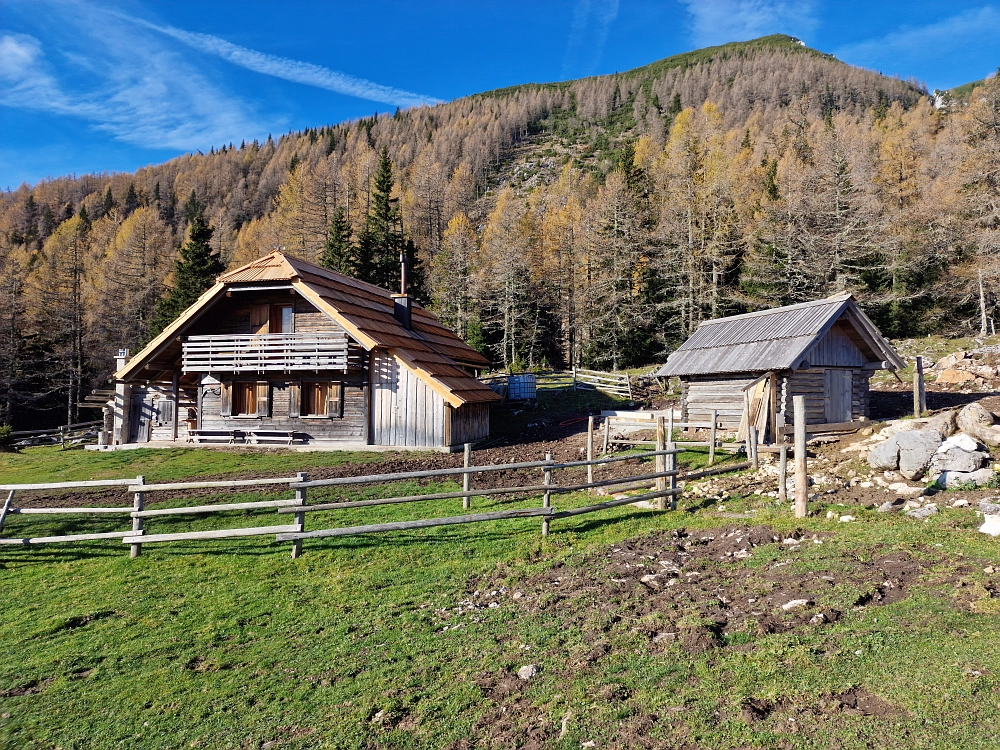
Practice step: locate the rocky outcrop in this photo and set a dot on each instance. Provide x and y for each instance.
(916, 450)
(976, 421)
(953, 479)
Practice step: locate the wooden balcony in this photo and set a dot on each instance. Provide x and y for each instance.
(270, 352)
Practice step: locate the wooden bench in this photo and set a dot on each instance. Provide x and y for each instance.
(285, 437)
(216, 436)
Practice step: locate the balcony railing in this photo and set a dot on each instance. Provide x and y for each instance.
(267, 352)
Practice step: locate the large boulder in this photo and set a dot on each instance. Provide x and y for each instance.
(977, 421)
(950, 361)
(916, 449)
(954, 377)
(945, 422)
(952, 479)
(956, 459)
(885, 455)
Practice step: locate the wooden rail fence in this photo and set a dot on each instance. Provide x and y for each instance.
(661, 483)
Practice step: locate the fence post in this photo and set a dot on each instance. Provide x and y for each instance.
(672, 466)
(712, 438)
(607, 434)
(6, 508)
(752, 436)
(138, 504)
(670, 425)
(547, 497)
(661, 482)
(62, 437)
(466, 477)
(919, 397)
(801, 475)
(783, 475)
(590, 451)
(300, 517)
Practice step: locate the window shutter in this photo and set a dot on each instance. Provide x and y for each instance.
(227, 398)
(260, 318)
(335, 402)
(263, 398)
(295, 398)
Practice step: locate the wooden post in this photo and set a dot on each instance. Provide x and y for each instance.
(661, 442)
(672, 466)
(670, 425)
(138, 504)
(607, 434)
(919, 394)
(574, 378)
(753, 437)
(300, 517)
(6, 508)
(713, 437)
(466, 477)
(783, 475)
(801, 475)
(590, 451)
(62, 437)
(547, 497)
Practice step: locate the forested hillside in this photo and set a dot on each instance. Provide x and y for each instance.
(592, 222)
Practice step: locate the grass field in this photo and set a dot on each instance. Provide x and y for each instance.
(383, 641)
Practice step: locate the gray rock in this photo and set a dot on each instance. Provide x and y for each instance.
(887, 507)
(957, 459)
(528, 671)
(922, 512)
(885, 455)
(945, 423)
(916, 449)
(953, 479)
(989, 509)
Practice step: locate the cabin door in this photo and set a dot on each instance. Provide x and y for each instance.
(838, 396)
(143, 415)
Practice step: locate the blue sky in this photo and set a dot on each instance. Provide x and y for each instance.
(112, 86)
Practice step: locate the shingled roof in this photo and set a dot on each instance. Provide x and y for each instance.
(431, 350)
(776, 339)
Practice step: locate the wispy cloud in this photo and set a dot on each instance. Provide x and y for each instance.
(137, 89)
(292, 70)
(588, 34)
(721, 21)
(909, 46)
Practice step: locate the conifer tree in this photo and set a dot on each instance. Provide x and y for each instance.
(338, 252)
(381, 239)
(194, 272)
(109, 203)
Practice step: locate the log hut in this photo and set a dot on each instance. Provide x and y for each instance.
(747, 368)
(284, 351)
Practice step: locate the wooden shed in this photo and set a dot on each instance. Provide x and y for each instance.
(284, 351)
(747, 368)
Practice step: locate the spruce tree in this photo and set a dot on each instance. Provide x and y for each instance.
(131, 202)
(109, 203)
(338, 252)
(194, 272)
(381, 238)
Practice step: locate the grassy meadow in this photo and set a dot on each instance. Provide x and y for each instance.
(390, 641)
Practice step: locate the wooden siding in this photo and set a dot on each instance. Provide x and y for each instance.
(469, 423)
(812, 384)
(352, 427)
(701, 396)
(405, 410)
(233, 315)
(835, 349)
(152, 413)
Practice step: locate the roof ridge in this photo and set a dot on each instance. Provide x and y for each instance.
(837, 299)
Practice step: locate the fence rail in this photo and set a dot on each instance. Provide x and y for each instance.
(661, 483)
(264, 352)
(74, 433)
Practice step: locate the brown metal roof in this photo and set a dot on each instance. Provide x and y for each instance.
(430, 349)
(775, 339)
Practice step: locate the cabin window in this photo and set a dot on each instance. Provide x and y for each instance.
(244, 399)
(282, 319)
(321, 398)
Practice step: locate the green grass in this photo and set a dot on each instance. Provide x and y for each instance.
(232, 644)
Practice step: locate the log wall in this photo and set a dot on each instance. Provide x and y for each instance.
(700, 396)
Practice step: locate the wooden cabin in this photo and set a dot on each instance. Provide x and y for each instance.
(282, 351)
(747, 368)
